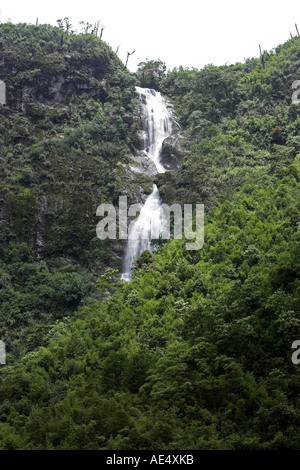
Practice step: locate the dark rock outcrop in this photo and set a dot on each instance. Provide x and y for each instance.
(172, 152)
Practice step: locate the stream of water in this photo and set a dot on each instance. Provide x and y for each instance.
(156, 127)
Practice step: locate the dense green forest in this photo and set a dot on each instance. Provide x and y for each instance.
(195, 351)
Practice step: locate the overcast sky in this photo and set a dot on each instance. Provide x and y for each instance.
(191, 33)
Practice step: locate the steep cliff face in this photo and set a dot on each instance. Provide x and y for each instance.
(68, 142)
(66, 133)
(42, 63)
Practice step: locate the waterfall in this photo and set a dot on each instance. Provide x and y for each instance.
(157, 126)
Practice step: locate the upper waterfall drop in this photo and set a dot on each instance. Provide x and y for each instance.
(157, 124)
(156, 127)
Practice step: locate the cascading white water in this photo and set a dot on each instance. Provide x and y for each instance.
(147, 227)
(157, 126)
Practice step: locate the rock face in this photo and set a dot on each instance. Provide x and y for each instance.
(142, 164)
(56, 81)
(59, 89)
(172, 152)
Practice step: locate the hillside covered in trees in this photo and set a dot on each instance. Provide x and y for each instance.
(195, 351)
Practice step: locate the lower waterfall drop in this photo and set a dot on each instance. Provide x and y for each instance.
(148, 226)
(157, 126)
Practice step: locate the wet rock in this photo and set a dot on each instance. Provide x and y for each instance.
(172, 152)
(141, 163)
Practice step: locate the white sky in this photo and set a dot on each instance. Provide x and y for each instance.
(180, 32)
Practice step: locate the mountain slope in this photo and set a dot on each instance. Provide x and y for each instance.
(194, 352)
(66, 135)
